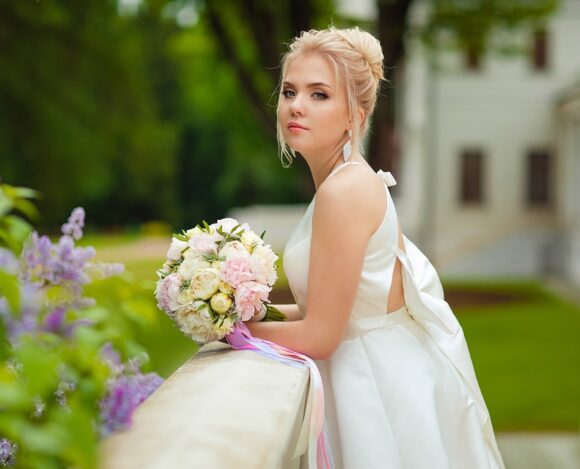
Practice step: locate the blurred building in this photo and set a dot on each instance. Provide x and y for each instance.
(490, 166)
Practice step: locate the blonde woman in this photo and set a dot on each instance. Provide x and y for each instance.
(399, 384)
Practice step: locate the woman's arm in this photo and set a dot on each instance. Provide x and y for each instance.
(291, 311)
(341, 228)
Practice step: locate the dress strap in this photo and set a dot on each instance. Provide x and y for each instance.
(387, 177)
(335, 170)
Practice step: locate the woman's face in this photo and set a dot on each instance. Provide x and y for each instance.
(312, 110)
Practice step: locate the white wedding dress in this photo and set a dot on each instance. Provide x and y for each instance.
(400, 391)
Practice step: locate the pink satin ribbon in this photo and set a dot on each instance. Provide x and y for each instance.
(318, 450)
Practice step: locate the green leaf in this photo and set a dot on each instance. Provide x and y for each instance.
(10, 290)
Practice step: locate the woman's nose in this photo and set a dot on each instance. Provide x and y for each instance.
(296, 106)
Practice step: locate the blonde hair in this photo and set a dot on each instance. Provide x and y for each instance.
(357, 59)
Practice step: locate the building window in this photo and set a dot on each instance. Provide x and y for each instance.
(540, 49)
(471, 176)
(472, 58)
(538, 177)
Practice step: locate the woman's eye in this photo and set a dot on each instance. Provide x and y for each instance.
(318, 94)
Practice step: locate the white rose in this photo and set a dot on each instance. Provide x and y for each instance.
(220, 303)
(175, 249)
(192, 262)
(205, 283)
(234, 249)
(249, 238)
(264, 265)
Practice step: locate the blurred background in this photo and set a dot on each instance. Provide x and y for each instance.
(156, 114)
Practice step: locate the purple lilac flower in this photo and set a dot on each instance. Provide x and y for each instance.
(75, 224)
(8, 261)
(31, 299)
(7, 452)
(124, 394)
(54, 320)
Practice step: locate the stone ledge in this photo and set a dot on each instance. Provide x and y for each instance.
(222, 408)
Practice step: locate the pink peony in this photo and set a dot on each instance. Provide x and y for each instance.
(249, 297)
(166, 293)
(237, 270)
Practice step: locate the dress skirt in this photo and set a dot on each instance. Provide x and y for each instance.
(393, 400)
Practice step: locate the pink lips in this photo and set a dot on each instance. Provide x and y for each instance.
(295, 127)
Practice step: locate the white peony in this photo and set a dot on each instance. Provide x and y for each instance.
(234, 249)
(196, 324)
(205, 283)
(228, 224)
(192, 262)
(225, 327)
(202, 242)
(185, 297)
(249, 238)
(263, 261)
(193, 231)
(175, 249)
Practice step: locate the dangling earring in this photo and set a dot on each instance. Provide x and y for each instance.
(347, 148)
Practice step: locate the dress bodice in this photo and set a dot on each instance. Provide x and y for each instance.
(379, 259)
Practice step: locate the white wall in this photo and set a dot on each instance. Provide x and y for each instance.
(506, 108)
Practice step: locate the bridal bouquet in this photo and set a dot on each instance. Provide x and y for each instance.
(215, 276)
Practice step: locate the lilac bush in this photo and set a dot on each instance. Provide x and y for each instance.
(50, 302)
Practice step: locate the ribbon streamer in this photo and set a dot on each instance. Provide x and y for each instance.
(318, 450)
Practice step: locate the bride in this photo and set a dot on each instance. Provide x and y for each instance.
(400, 390)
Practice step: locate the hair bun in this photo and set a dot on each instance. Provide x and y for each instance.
(368, 47)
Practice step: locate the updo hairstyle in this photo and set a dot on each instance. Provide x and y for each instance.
(357, 59)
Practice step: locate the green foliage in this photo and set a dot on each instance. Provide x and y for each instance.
(473, 24)
(14, 229)
(51, 383)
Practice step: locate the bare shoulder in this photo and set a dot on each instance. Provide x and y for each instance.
(354, 195)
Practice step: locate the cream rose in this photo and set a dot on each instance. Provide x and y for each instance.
(220, 303)
(205, 283)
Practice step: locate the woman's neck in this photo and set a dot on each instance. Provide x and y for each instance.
(322, 170)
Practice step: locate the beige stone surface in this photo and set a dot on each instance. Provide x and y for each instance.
(223, 408)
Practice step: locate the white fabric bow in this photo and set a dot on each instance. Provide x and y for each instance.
(387, 177)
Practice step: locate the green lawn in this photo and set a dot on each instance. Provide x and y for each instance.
(526, 356)
(525, 353)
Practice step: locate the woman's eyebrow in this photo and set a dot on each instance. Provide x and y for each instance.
(310, 85)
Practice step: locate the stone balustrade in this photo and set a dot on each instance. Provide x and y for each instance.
(222, 409)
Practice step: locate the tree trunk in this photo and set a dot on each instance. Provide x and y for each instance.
(383, 145)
